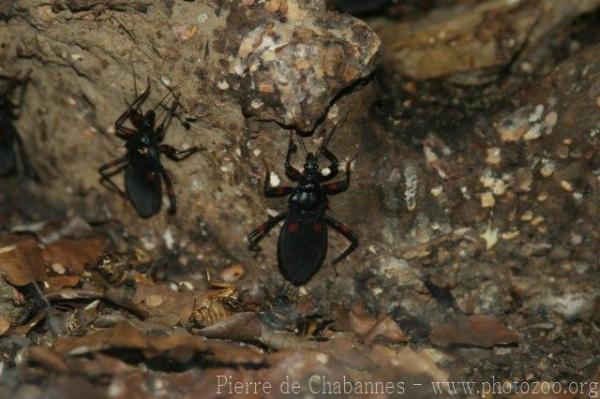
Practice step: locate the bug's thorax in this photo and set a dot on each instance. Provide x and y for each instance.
(143, 144)
(308, 195)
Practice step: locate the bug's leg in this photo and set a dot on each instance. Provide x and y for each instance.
(333, 166)
(170, 189)
(175, 154)
(274, 192)
(167, 118)
(339, 186)
(347, 233)
(261, 231)
(105, 178)
(292, 173)
(132, 113)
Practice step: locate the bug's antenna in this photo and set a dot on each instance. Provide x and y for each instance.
(303, 145)
(163, 99)
(134, 77)
(328, 138)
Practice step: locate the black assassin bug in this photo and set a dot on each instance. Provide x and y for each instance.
(11, 145)
(302, 243)
(143, 168)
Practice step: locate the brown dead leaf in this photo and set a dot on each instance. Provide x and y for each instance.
(369, 328)
(47, 358)
(59, 282)
(21, 260)
(179, 347)
(4, 325)
(476, 330)
(409, 361)
(244, 326)
(74, 254)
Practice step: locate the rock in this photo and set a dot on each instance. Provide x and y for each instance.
(472, 43)
(297, 60)
(232, 88)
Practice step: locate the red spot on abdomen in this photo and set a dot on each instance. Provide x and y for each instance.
(293, 227)
(151, 176)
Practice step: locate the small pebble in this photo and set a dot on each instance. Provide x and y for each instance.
(187, 285)
(536, 115)
(233, 273)
(533, 133)
(488, 200)
(58, 268)
(567, 186)
(527, 216)
(537, 220)
(493, 156)
(153, 301)
(509, 235)
(547, 169)
(223, 85)
(551, 119)
(437, 190)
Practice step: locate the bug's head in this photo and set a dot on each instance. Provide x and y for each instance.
(148, 120)
(311, 166)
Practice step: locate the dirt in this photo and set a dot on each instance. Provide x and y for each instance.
(475, 193)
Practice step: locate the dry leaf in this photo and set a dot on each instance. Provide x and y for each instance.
(75, 254)
(476, 330)
(21, 260)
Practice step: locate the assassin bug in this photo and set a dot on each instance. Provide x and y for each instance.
(11, 144)
(302, 243)
(143, 168)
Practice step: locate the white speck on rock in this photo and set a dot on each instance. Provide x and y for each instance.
(202, 17)
(490, 237)
(169, 239)
(536, 115)
(223, 85)
(410, 194)
(274, 180)
(571, 304)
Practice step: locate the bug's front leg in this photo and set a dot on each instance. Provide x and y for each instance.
(347, 233)
(106, 177)
(261, 231)
(175, 154)
(333, 166)
(166, 121)
(339, 186)
(274, 192)
(132, 112)
(292, 173)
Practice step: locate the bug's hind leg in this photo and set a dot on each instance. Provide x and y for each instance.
(170, 189)
(106, 177)
(347, 233)
(261, 231)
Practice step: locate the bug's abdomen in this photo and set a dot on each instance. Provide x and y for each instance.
(301, 249)
(8, 161)
(143, 184)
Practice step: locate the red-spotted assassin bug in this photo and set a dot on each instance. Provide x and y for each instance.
(143, 168)
(11, 145)
(302, 242)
